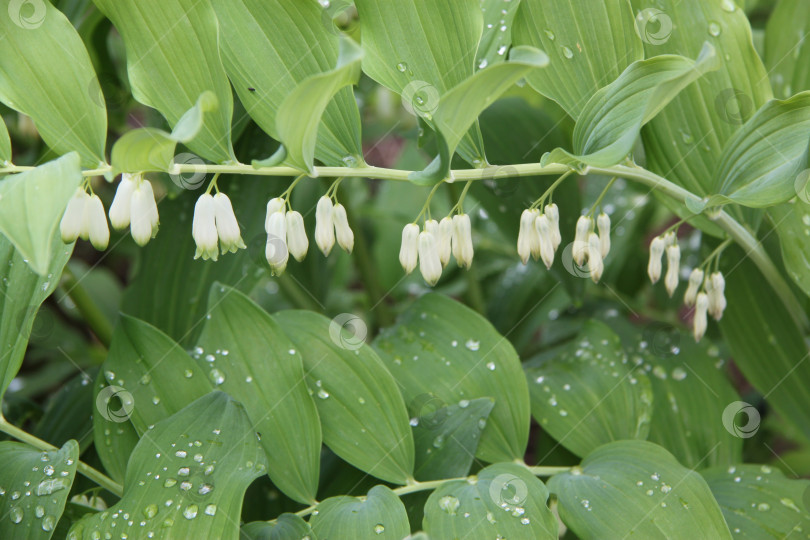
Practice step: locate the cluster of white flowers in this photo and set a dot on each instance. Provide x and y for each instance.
(432, 247)
(539, 235)
(215, 227)
(84, 218)
(709, 301)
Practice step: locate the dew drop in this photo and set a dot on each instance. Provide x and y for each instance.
(568, 53)
(210, 510)
(48, 522)
(379, 528)
(216, 376)
(473, 345)
(190, 512)
(402, 67)
(150, 511)
(549, 34)
(16, 514)
(449, 504)
(714, 29)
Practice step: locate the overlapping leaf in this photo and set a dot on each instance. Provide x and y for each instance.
(498, 27)
(380, 515)
(790, 221)
(5, 143)
(787, 48)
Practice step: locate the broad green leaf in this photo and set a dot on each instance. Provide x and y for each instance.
(46, 73)
(380, 515)
(364, 418)
(173, 58)
(419, 58)
(446, 436)
(792, 221)
(35, 489)
(300, 114)
(759, 502)
(5, 144)
(31, 207)
(589, 393)
(610, 122)
(636, 488)
(757, 326)
(291, 43)
(149, 374)
(68, 413)
(441, 347)
(504, 501)
(186, 478)
(787, 49)
(284, 527)
(152, 149)
(459, 108)
(21, 293)
(589, 45)
(684, 142)
(114, 436)
(751, 173)
(691, 391)
(245, 353)
(497, 36)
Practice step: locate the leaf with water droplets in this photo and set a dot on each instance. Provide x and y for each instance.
(446, 436)
(636, 488)
(34, 488)
(440, 347)
(186, 478)
(114, 436)
(502, 501)
(244, 352)
(381, 515)
(362, 412)
(284, 527)
(497, 36)
(759, 501)
(588, 393)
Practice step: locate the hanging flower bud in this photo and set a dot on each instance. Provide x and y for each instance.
(595, 263)
(230, 238)
(276, 251)
(700, 323)
(656, 253)
(143, 213)
(545, 237)
(73, 220)
(553, 214)
(429, 263)
(534, 236)
(462, 240)
(345, 236)
(151, 205)
(444, 240)
(580, 250)
(297, 241)
(204, 228)
(408, 251)
(695, 281)
(324, 225)
(432, 226)
(673, 268)
(717, 296)
(524, 245)
(603, 224)
(96, 223)
(122, 202)
(273, 205)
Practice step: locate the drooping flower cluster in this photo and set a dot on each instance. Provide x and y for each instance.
(539, 235)
(134, 206)
(85, 218)
(431, 248)
(215, 227)
(711, 300)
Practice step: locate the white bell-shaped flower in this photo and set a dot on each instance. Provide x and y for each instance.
(432, 226)
(462, 240)
(603, 225)
(444, 240)
(409, 249)
(673, 268)
(524, 246)
(553, 214)
(580, 248)
(716, 287)
(276, 251)
(692, 289)
(700, 321)
(654, 266)
(595, 264)
(324, 225)
(429, 263)
(230, 238)
(73, 220)
(96, 223)
(297, 241)
(273, 205)
(143, 213)
(344, 234)
(122, 202)
(545, 237)
(204, 228)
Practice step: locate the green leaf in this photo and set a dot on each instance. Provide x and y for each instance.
(459, 108)
(172, 59)
(245, 353)
(757, 326)
(636, 488)
(114, 436)
(684, 142)
(787, 49)
(418, 58)
(21, 293)
(5, 144)
(284, 527)
(290, 42)
(610, 122)
(298, 119)
(68, 413)
(789, 220)
(362, 412)
(187, 476)
(505, 500)
(441, 347)
(31, 207)
(497, 36)
(589, 45)
(589, 393)
(380, 515)
(36, 485)
(751, 173)
(45, 73)
(759, 502)
(446, 436)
